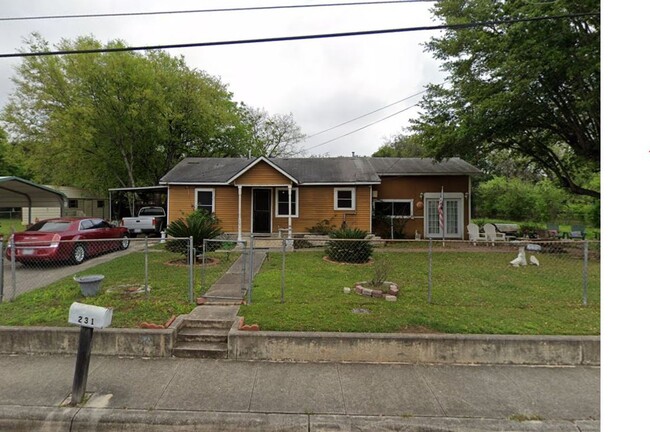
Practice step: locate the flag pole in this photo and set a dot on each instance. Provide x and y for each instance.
(441, 213)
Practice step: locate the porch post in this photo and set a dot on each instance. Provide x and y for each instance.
(239, 189)
(289, 221)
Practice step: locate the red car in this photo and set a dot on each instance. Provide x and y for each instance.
(66, 240)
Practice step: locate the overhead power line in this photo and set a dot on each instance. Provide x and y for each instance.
(365, 115)
(361, 128)
(295, 38)
(193, 11)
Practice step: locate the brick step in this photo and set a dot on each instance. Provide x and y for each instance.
(200, 350)
(201, 334)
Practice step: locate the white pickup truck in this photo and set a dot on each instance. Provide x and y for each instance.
(149, 221)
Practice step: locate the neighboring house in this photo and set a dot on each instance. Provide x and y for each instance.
(79, 202)
(264, 196)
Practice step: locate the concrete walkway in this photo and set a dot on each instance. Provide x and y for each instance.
(179, 395)
(231, 287)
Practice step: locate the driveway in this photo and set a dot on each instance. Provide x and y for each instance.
(31, 278)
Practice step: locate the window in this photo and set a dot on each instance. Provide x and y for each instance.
(100, 204)
(73, 203)
(344, 199)
(282, 202)
(395, 208)
(204, 200)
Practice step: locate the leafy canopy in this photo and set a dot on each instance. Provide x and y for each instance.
(529, 88)
(115, 119)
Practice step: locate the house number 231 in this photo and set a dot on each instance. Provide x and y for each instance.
(85, 320)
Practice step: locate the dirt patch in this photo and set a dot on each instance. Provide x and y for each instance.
(182, 262)
(327, 259)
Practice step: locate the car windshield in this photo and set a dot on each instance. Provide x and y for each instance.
(50, 226)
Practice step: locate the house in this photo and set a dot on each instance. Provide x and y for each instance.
(79, 202)
(267, 195)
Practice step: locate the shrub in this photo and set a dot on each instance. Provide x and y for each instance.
(324, 227)
(347, 250)
(200, 225)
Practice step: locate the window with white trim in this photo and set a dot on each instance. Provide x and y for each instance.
(344, 198)
(394, 208)
(204, 200)
(282, 202)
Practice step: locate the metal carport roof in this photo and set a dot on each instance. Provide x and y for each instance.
(18, 192)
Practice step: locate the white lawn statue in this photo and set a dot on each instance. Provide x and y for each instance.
(534, 260)
(520, 260)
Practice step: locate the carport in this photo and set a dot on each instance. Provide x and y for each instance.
(18, 192)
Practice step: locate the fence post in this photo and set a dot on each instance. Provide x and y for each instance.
(205, 249)
(250, 270)
(146, 266)
(13, 268)
(430, 267)
(2, 271)
(243, 257)
(585, 253)
(284, 256)
(191, 267)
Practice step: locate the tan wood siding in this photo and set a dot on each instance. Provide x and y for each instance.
(262, 174)
(411, 187)
(316, 203)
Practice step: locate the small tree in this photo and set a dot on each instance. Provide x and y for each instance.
(199, 224)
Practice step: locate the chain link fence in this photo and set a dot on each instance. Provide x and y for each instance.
(569, 270)
(130, 265)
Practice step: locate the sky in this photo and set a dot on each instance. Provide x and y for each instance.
(323, 83)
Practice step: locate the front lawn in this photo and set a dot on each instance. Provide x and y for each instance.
(169, 293)
(472, 293)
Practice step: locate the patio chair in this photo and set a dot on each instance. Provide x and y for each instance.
(491, 233)
(474, 233)
(553, 230)
(578, 232)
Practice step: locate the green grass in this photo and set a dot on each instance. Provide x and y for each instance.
(6, 226)
(169, 293)
(472, 293)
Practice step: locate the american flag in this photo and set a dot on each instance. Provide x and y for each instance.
(441, 215)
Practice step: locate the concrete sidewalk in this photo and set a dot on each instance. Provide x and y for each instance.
(178, 395)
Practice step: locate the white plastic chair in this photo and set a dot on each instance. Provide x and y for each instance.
(491, 233)
(474, 233)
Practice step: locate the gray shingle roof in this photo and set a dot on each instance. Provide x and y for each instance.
(344, 170)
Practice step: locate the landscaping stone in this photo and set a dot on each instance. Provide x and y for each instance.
(377, 293)
(358, 289)
(367, 292)
(346, 290)
(390, 298)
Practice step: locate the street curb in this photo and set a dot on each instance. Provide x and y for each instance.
(52, 419)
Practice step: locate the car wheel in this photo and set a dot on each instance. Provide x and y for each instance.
(78, 254)
(124, 243)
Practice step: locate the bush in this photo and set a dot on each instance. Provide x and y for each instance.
(346, 250)
(200, 225)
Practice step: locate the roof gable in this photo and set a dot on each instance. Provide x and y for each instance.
(257, 172)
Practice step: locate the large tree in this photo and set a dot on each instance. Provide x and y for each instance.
(275, 135)
(116, 119)
(531, 88)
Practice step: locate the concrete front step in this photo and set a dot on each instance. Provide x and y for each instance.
(201, 350)
(198, 334)
(207, 324)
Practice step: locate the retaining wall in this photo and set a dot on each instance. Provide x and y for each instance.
(65, 340)
(400, 348)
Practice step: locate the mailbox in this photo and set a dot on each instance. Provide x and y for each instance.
(90, 316)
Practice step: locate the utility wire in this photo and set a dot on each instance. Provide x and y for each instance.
(365, 115)
(294, 38)
(361, 128)
(237, 9)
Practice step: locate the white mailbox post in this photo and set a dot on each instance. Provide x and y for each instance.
(88, 317)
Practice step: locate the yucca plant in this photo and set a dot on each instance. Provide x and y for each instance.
(346, 250)
(200, 225)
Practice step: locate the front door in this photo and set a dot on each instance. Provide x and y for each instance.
(262, 211)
